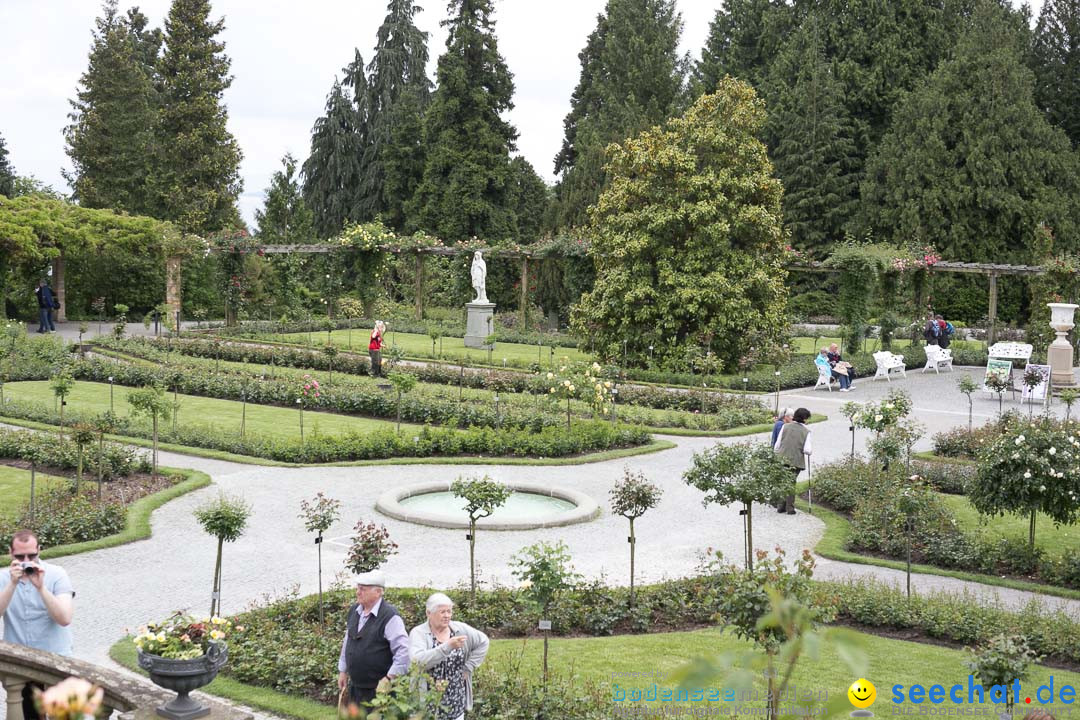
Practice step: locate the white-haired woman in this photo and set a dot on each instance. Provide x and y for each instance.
(448, 650)
(375, 348)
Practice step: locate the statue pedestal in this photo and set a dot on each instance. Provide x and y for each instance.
(1060, 353)
(480, 324)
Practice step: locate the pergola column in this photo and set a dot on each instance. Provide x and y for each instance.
(173, 277)
(419, 286)
(524, 307)
(992, 313)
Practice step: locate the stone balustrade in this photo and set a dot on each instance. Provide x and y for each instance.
(135, 698)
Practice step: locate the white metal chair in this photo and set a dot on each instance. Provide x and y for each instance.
(889, 363)
(824, 378)
(937, 358)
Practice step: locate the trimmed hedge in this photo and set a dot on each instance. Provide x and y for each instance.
(117, 460)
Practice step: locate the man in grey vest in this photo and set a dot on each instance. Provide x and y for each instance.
(376, 645)
(793, 446)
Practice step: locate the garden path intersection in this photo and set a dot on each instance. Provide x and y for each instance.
(121, 588)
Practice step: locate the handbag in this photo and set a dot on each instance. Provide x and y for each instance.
(342, 706)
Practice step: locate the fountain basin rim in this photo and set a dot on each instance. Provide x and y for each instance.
(389, 504)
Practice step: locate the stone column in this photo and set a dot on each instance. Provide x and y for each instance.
(1060, 353)
(173, 278)
(58, 288)
(13, 687)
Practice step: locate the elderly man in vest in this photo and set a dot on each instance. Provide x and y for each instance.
(376, 645)
(793, 446)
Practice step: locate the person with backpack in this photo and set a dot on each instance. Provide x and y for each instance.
(47, 302)
(932, 331)
(945, 330)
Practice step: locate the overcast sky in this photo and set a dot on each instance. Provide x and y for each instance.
(285, 54)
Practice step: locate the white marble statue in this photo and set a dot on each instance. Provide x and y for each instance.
(479, 277)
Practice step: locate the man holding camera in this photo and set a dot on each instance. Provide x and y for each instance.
(37, 603)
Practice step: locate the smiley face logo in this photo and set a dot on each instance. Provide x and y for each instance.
(862, 693)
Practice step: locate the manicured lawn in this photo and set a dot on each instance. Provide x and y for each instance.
(888, 663)
(1054, 540)
(15, 487)
(453, 348)
(268, 421)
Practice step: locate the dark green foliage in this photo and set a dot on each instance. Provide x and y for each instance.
(332, 170)
(466, 187)
(285, 217)
(60, 519)
(529, 198)
(7, 172)
(970, 163)
(116, 460)
(1057, 68)
(196, 159)
(111, 138)
(744, 37)
(812, 141)
(631, 79)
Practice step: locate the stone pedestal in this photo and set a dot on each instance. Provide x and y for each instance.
(1060, 354)
(479, 324)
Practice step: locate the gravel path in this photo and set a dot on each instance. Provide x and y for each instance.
(120, 588)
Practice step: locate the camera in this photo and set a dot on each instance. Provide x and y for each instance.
(29, 568)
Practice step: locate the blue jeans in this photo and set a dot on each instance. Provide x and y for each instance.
(843, 379)
(45, 320)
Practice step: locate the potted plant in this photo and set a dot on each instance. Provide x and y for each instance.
(183, 654)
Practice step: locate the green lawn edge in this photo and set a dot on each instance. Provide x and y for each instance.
(210, 454)
(837, 531)
(124, 653)
(137, 526)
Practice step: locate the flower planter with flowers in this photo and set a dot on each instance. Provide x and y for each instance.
(183, 654)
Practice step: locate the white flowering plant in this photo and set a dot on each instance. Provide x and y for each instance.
(586, 382)
(1032, 467)
(884, 415)
(183, 637)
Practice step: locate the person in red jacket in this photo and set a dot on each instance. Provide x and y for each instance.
(375, 348)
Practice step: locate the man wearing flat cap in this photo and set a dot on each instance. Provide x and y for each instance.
(375, 645)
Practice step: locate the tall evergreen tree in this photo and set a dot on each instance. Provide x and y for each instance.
(744, 37)
(1057, 73)
(7, 172)
(529, 198)
(631, 78)
(196, 165)
(970, 163)
(398, 90)
(403, 155)
(111, 136)
(332, 170)
(812, 141)
(285, 217)
(465, 190)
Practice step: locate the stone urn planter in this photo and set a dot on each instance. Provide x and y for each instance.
(183, 676)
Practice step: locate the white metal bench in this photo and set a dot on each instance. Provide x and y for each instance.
(824, 378)
(1010, 351)
(937, 358)
(889, 363)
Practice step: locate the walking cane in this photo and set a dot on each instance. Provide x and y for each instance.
(809, 484)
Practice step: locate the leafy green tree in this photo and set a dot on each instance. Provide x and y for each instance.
(1002, 661)
(631, 79)
(111, 138)
(687, 239)
(632, 497)
(285, 217)
(152, 402)
(465, 191)
(812, 141)
(225, 518)
(744, 37)
(318, 516)
(545, 570)
(7, 172)
(970, 163)
(1057, 69)
(482, 497)
(196, 173)
(403, 383)
(529, 199)
(61, 384)
(332, 170)
(398, 90)
(741, 473)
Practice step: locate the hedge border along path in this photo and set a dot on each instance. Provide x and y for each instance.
(137, 526)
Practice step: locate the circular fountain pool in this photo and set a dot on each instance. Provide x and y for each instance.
(529, 507)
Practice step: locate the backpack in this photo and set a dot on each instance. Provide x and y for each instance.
(949, 329)
(932, 331)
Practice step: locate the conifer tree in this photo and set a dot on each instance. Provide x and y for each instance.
(285, 217)
(1057, 74)
(196, 161)
(970, 163)
(744, 37)
(631, 78)
(398, 90)
(465, 190)
(812, 141)
(332, 170)
(529, 198)
(7, 172)
(111, 136)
